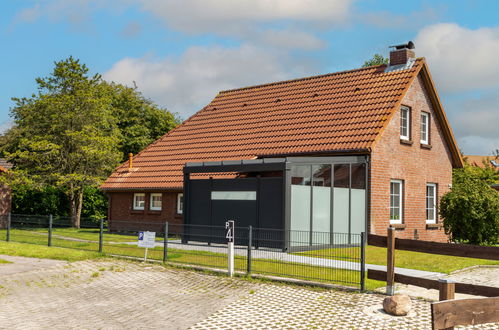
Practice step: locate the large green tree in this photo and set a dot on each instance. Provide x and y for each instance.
(139, 120)
(68, 137)
(66, 134)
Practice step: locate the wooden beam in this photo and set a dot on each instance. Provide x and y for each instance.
(466, 288)
(450, 313)
(450, 249)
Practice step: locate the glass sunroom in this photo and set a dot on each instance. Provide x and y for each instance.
(304, 197)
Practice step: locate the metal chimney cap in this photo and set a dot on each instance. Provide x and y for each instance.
(409, 45)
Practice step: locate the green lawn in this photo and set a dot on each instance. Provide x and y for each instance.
(45, 252)
(407, 259)
(2, 261)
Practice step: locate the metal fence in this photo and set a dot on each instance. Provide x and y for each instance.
(335, 258)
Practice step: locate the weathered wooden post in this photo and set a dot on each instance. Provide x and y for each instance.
(390, 262)
(446, 291)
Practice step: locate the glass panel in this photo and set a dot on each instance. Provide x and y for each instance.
(342, 175)
(341, 198)
(321, 175)
(300, 205)
(234, 195)
(395, 201)
(155, 202)
(358, 205)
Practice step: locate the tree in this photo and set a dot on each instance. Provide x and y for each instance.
(377, 59)
(471, 209)
(139, 120)
(66, 134)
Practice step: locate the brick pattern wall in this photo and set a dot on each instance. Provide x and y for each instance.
(123, 217)
(414, 164)
(401, 56)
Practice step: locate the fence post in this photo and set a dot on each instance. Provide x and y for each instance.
(50, 230)
(390, 261)
(101, 235)
(165, 243)
(7, 236)
(446, 291)
(250, 243)
(363, 261)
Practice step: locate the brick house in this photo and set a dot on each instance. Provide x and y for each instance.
(389, 114)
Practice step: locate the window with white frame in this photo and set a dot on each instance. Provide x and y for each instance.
(180, 203)
(396, 198)
(425, 127)
(405, 123)
(431, 203)
(155, 203)
(139, 201)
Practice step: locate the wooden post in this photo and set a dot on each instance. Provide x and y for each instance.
(446, 291)
(390, 261)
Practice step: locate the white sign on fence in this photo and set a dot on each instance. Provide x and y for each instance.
(147, 239)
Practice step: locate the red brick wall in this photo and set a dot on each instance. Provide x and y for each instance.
(415, 165)
(123, 217)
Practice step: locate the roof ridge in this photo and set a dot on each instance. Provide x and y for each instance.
(299, 79)
(306, 78)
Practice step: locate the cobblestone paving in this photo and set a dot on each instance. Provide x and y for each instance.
(298, 308)
(113, 294)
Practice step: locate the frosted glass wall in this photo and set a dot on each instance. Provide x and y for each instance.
(300, 205)
(327, 199)
(358, 207)
(321, 204)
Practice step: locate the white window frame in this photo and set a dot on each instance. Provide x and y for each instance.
(180, 204)
(151, 204)
(406, 110)
(434, 208)
(136, 206)
(401, 199)
(425, 130)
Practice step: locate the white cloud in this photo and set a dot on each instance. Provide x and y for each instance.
(188, 83)
(228, 16)
(290, 39)
(460, 58)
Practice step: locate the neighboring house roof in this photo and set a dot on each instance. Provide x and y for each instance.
(480, 161)
(4, 165)
(343, 112)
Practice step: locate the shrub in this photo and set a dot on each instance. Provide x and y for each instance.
(471, 209)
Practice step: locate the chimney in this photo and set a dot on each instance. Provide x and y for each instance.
(402, 53)
(130, 161)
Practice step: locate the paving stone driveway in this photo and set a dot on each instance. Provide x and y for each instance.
(113, 294)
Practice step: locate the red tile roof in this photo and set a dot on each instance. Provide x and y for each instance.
(480, 161)
(337, 112)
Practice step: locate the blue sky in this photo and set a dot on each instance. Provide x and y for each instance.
(180, 53)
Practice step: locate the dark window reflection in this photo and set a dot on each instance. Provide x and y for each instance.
(342, 175)
(358, 176)
(300, 175)
(321, 175)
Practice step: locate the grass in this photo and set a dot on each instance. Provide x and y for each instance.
(45, 252)
(91, 234)
(2, 261)
(408, 259)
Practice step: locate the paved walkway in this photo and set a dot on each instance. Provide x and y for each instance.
(115, 294)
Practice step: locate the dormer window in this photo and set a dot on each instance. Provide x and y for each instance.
(405, 114)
